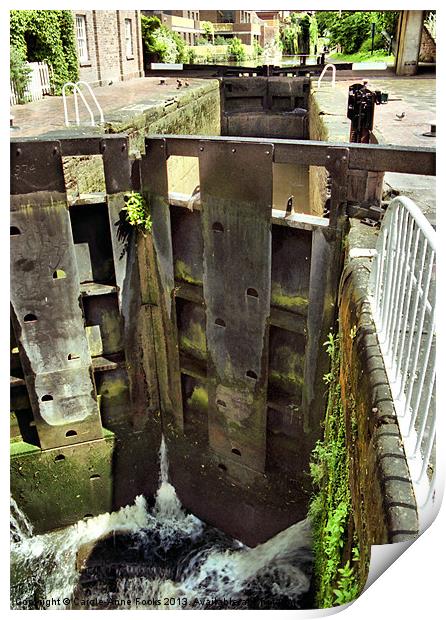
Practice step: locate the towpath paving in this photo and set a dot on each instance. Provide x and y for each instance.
(40, 117)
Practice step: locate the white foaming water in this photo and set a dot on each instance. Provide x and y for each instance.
(50, 559)
(185, 564)
(21, 528)
(168, 512)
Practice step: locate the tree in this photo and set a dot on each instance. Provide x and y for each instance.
(349, 29)
(289, 35)
(236, 49)
(208, 28)
(18, 73)
(299, 35)
(160, 43)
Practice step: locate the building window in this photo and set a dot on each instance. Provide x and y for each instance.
(81, 36)
(128, 38)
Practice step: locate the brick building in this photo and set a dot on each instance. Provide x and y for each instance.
(227, 16)
(109, 45)
(185, 23)
(244, 25)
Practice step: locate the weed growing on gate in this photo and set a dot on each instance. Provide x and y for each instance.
(336, 576)
(137, 212)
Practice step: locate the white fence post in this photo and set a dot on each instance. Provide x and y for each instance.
(39, 84)
(402, 287)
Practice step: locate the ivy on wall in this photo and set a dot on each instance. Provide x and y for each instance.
(46, 36)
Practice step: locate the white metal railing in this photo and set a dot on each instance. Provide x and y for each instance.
(333, 75)
(77, 91)
(402, 287)
(39, 84)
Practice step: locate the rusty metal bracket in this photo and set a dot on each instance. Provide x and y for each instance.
(365, 211)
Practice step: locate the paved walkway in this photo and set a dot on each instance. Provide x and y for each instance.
(39, 117)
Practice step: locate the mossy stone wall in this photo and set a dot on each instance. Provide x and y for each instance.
(195, 111)
(56, 488)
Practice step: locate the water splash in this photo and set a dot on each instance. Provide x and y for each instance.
(43, 567)
(158, 559)
(21, 528)
(168, 514)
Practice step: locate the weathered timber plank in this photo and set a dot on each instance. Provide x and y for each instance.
(49, 324)
(290, 269)
(294, 220)
(373, 157)
(117, 165)
(326, 265)
(87, 144)
(291, 321)
(154, 186)
(36, 168)
(92, 289)
(236, 195)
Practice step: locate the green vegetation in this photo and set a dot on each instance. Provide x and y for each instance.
(350, 29)
(313, 33)
(192, 56)
(46, 36)
(299, 35)
(19, 73)
(336, 576)
(208, 28)
(378, 56)
(289, 37)
(137, 212)
(161, 44)
(258, 49)
(236, 51)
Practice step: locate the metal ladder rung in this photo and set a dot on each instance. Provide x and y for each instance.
(77, 89)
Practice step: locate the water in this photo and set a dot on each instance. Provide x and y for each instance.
(283, 61)
(162, 558)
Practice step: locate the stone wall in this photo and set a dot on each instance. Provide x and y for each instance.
(384, 507)
(428, 47)
(196, 111)
(317, 130)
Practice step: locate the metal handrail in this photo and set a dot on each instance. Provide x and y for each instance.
(402, 288)
(333, 75)
(76, 89)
